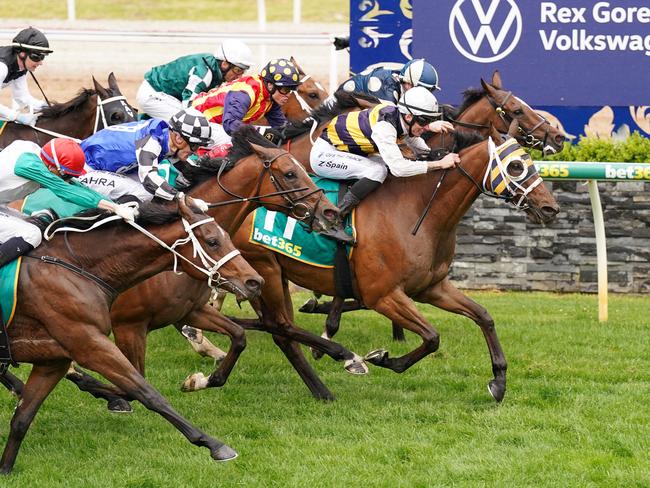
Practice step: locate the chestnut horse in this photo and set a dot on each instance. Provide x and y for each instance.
(74, 322)
(392, 267)
(255, 170)
(88, 112)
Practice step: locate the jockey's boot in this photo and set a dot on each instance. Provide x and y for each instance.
(12, 249)
(337, 232)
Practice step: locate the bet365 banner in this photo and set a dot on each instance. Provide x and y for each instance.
(563, 52)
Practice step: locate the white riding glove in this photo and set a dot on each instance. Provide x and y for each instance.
(26, 119)
(200, 204)
(440, 126)
(127, 212)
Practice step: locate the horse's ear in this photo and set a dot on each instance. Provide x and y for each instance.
(100, 89)
(488, 89)
(496, 80)
(112, 84)
(263, 152)
(295, 63)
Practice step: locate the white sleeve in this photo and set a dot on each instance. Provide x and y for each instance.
(21, 94)
(418, 145)
(6, 113)
(385, 136)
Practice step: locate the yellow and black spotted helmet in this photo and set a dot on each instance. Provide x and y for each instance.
(281, 72)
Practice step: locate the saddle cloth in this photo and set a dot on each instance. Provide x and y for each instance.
(9, 275)
(287, 236)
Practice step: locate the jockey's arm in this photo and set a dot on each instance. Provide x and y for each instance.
(148, 151)
(198, 81)
(21, 95)
(384, 136)
(417, 145)
(235, 106)
(275, 117)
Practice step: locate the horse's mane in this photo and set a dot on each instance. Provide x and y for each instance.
(149, 213)
(59, 109)
(206, 167)
(326, 111)
(467, 138)
(470, 97)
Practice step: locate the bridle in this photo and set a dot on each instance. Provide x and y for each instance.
(298, 209)
(525, 135)
(100, 112)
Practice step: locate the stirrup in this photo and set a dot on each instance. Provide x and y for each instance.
(338, 234)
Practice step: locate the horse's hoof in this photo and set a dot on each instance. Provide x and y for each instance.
(194, 382)
(224, 453)
(316, 354)
(309, 306)
(119, 405)
(356, 365)
(497, 390)
(377, 356)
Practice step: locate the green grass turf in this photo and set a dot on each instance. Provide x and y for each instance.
(575, 414)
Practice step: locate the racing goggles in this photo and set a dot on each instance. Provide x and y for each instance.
(285, 90)
(424, 120)
(36, 56)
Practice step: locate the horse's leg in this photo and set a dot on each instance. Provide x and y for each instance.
(41, 381)
(401, 310)
(208, 318)
(106, 359)
(199, 342)
(398, 333)
(446, 296)
(85, 382)
(332, 323)
(12, 383)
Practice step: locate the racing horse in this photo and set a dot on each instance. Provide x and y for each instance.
(74, 322)
(255, 173)
(89, 111)
(394, 268)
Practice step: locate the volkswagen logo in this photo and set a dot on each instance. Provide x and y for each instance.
(483, 34)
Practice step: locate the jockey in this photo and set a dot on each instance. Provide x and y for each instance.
(23, 167)
(168, 88)
(26, 53)
(143, 145)
(388, 85)
(364, 146)
(249, 99)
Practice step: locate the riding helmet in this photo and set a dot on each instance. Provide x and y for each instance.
(235, 52)
(418, 101)
(418, 72)
(281, 72)
(65, 155)
(192, 125)
(31, 39)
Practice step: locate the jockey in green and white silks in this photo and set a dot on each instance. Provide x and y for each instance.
(26, 53)
(364, 146)
(24, 166)
(168, 88)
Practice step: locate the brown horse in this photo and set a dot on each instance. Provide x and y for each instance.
(74, 322)
(392, 267)
(88, 112)
(255, 170)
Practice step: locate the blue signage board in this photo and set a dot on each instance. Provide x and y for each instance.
(562, 52)
(585, 65)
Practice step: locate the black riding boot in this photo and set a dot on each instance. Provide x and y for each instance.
(351, 199)
(12, 249)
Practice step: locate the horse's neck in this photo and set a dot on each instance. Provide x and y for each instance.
(480, 113)
(237, 180)
(129, 258)
(78, 124)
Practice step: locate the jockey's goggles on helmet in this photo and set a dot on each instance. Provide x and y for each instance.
(238, 70)
(285, 90)
(36, 56)
(424, 120)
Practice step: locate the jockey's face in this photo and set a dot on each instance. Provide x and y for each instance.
(416, 129)
(230, 71)
(277, 95)
(179, 146)
(26, 62)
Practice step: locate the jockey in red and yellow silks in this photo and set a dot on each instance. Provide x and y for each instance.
(249, 98)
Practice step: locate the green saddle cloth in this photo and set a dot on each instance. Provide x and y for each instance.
(8, 289)
(286, 235)
(45, 198)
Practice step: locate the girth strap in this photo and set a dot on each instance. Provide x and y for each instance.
(76, 269)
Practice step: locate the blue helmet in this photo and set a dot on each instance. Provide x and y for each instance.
(418, 72)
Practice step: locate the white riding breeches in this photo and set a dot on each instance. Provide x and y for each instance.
(329, 162)
(157, 104)
(13, 226)
(219, 135)
(114, 185)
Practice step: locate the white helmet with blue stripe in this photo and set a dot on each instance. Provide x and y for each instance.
(418, 72)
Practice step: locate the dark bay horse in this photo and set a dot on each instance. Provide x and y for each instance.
(88, 112)
(393, 268)
(256, 171)
(74, 322)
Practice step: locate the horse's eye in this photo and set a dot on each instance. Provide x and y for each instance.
(519, 112)
(212, 242)
(313, 96)
(516, 169)
(290, 175)
(117, 118)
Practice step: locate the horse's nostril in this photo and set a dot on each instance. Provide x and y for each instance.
(549, 212)
(253, 285)
(331, 214)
